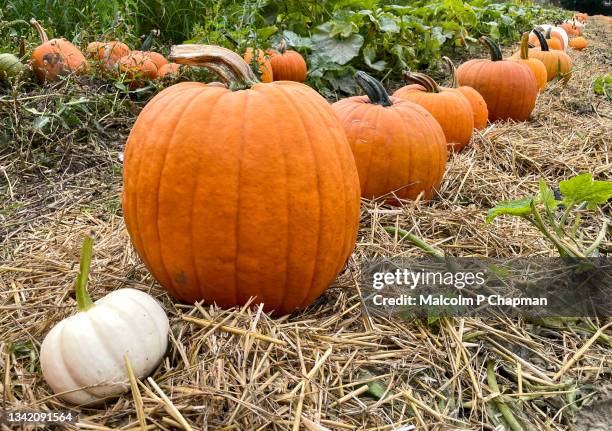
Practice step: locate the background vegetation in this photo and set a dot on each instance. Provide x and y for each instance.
(338, 36)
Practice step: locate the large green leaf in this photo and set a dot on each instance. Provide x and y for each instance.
(337, 49)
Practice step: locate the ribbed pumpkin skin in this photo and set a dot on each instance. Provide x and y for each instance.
(107, 52)
(288, 66)
(139, 64)
(449, 107)
(478, 104)
(509, 88)
(229, 195)
(57, 57)
(399, 148)
(538, 69)
(265, 72)
(556, 62)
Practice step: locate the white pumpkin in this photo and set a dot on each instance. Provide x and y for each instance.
(558, 30)
(82, 357)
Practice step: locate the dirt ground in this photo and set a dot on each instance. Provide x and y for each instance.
(335, 366)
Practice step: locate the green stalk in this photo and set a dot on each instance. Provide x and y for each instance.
(419, 242)
(598, 240)
(84, 301)
(501, 406)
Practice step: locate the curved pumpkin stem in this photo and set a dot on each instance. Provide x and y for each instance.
(42, 34)
(542, 39)
(525, 46)
(453, 71)
(226, 64)
(423, 80)
(282, 46)
(84, 301)
(148, 42)
(373, 89)
(496, 54)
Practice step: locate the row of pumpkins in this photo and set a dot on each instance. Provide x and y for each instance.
(252, 189)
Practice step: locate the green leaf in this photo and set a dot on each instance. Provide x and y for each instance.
(369, 57)
(338, 50)
(520, 207)
(603, 85)
(388, 24)
(583, 188)
(296, 41)
(547, 197)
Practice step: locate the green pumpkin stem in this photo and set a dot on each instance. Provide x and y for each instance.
(373, 89)
(453, 71)
(525, 46)
(496, 54)
(423, 80)
(542, 39)
(84, 301)
(148, 42)
(231, 69)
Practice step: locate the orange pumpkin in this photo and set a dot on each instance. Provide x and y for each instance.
(478, 104)
(536, 66)
(579, 43)
(55, 57)
(557, 63)
(447, 105)
(108, 53)
(138, 65)
(262, 65)
(569, 29)
(509, 88)
(230, 195)
(287, 65)
(398, 146)
(168, 69)
(554, 40)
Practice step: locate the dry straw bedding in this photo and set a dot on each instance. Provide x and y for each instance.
(312, 370)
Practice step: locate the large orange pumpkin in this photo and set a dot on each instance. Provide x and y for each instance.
(287, 65)
(108, 53)
(509, 88)
(261, 64)
(398, 146)
(230, 194)
(557, 63)
(536, 66)
(478, 104)
(55, 57)
(447, 105)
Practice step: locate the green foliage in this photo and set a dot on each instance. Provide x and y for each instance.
(338, 37)
(603, 86)
(579, 192)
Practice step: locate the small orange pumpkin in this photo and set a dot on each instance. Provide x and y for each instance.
(261, 66)
(138, 66)
(55, 57)
(536, 66)
(578, 43)
(287, 65)
(509, 88)
(108, 53)
(478, 104)
(554, 40)
(398, 146)
(447, 105)
(168, 69)
(557, 63)
(205, 175)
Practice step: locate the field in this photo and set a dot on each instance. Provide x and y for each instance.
(334, 365)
